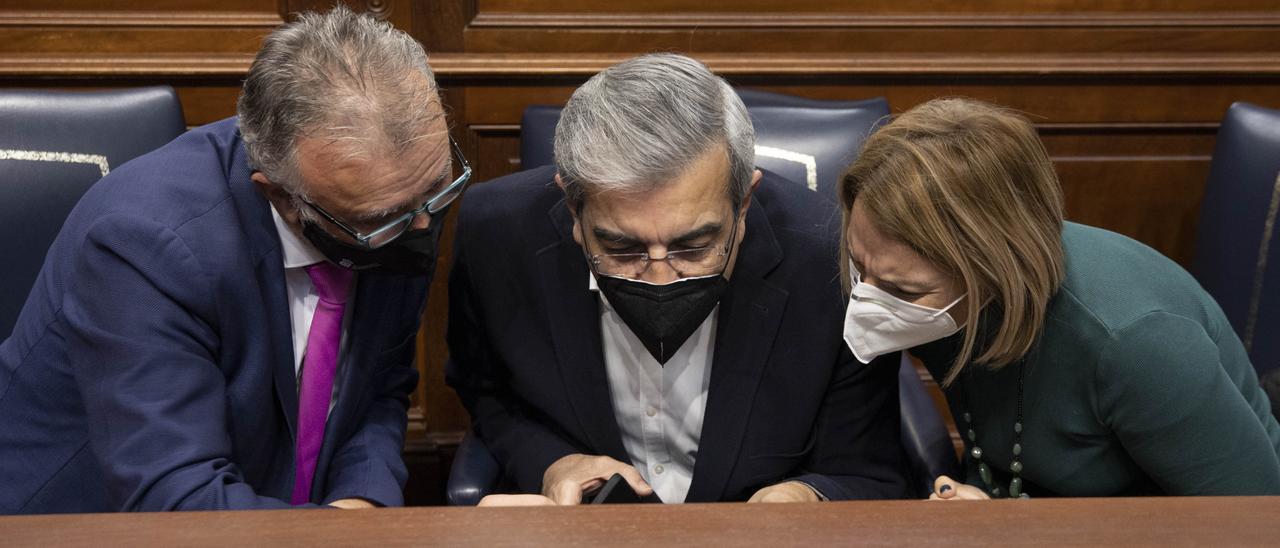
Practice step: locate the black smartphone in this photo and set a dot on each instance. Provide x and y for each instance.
(618, 491)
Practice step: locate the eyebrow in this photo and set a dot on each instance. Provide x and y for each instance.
(436, 186)
(619, 238)
(906, 286)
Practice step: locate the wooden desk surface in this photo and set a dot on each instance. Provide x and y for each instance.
(1228, 521)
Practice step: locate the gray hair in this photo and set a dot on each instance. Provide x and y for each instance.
(338, 74)
(638, 124)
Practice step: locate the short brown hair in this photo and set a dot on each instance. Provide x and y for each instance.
(969, 186)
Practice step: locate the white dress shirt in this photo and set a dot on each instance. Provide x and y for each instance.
(659, 408)
(298, 253)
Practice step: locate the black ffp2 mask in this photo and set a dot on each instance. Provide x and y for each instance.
(663, 317)
(411, 254)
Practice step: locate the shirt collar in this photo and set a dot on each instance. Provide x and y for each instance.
(297, 251)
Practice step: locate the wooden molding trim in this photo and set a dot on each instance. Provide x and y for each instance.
(1133, 127)
(446, 439)
(12, 18)
(503, 66)
(867, 20)
(527, 66)
(233, 65)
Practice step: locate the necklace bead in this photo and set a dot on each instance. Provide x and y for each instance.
(1015, 467)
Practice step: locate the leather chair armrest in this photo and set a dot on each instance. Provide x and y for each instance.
(474, 474)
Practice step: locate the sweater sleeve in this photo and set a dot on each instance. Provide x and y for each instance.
(1164, 392)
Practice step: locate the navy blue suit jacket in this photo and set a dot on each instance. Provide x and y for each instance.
(786, 398)
(152, 365)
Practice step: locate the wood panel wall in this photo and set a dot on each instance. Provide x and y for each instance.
(1126, 93)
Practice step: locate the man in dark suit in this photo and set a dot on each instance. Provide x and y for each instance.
(653, 306)
(228, 322)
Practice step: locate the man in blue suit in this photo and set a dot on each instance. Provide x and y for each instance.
(229, 321)
(653, 306)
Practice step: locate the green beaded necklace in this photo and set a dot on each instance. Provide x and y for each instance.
(984, 471)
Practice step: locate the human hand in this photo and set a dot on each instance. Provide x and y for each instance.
(352, 504)
(787, 491)
(945, 488)
(566, 479)
(516, 500)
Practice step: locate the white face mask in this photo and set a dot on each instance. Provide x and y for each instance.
(877, 323)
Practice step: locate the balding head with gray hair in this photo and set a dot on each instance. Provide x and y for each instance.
(346, 77)
(639, 124)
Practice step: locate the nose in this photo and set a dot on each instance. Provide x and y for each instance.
(659, 272)
(420, 221)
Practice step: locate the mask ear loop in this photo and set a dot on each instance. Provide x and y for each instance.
(944, 309)
(738, 218)
(586, 253)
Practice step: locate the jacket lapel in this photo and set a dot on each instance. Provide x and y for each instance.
(573, 317)
(748, 323)
(264, 246)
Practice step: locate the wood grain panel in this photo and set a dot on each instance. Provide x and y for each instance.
(1121, 139)
(498, 150)
(1041, 521)
(1153, 200)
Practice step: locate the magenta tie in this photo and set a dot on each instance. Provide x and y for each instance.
(318, 366)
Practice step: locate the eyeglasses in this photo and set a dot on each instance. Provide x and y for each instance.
(687, 263)
(394, 229)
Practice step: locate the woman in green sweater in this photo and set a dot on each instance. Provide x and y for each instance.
(1076, 361)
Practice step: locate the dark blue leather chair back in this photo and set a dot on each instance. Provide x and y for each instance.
(808, 141)
(538, 135)
(53, 146)
(1237, 259)
(805, 140)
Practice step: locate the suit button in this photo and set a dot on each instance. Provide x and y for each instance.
(651, 411)
(658, 469)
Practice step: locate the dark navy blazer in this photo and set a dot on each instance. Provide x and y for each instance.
(786, 398)
(152, 365)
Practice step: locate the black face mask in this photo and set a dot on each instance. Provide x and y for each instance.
(412, 254)
(663, 317)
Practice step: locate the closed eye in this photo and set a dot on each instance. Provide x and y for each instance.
(690, 245)
(623, 249)
(909, 296)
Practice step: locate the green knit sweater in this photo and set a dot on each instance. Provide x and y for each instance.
(1138, 386)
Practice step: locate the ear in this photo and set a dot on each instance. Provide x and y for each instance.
(278, 198)
(755, 183)
(573, 212)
